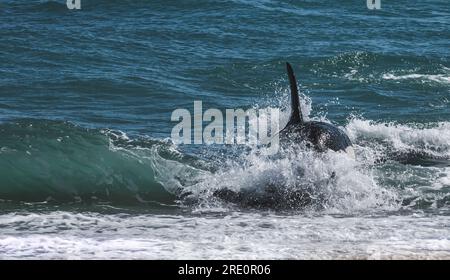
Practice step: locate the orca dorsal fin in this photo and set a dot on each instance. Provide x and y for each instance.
(296, 113)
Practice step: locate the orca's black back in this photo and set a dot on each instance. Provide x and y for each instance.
(321, 135)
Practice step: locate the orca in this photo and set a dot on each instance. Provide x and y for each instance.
(321, 136)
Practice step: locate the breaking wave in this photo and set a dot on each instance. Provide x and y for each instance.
(58, 162)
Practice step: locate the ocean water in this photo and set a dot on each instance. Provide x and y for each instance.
(88, 169)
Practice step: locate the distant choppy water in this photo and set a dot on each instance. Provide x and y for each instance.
(87, 170)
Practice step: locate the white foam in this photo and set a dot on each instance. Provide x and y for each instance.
(438, 78)
(353, 189)
(231, 236)
(433, 138)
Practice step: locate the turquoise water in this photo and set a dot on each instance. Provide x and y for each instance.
(88, 170)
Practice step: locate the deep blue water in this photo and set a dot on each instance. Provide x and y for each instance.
(128, 64)
(86, 98)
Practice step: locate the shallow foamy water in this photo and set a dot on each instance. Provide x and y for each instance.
(233, 235)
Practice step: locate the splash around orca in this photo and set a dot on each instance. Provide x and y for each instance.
(321, 136)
